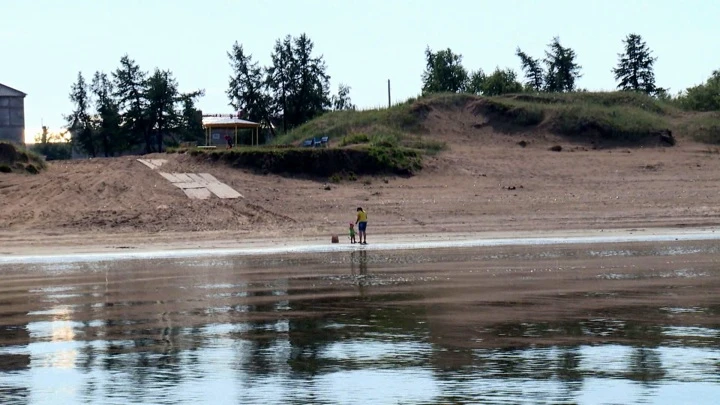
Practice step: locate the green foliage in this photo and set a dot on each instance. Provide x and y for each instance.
(248, 88)
(621, 116)
(13, 156)
(342, 100)
(79, 121)
(534, 79)
(162, 96)
(561, 71)
(322, 162)
(444, 72)
(298, 82)
(705, 128)
(5, 168)
(475, 82)
(131, 109)
(354, 139)
(517, 113)
(559, 74)
(52, 146)
(703, 97)
(634, 71)
(106, 124)
(130, 85)
(501, 82)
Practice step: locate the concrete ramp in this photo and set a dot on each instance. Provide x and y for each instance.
(201, 186)
(154, 164)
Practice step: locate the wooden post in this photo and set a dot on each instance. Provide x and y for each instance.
(388, 93)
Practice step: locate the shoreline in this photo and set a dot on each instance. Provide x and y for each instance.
(163, 246)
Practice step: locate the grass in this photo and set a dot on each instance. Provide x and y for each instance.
(17, 158)
(619, 116)
(389, 127)
(333, 163)
(704, 128)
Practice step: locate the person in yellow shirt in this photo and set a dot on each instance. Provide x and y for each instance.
(361, 222)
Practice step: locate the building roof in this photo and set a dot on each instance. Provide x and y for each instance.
(7, 91)
(227, 121)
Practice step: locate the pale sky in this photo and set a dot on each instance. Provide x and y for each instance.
(44, 43)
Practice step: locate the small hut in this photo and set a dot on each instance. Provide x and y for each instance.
(217, 126)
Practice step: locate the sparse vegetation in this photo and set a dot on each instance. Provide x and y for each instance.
(15, 158)
(333, 163)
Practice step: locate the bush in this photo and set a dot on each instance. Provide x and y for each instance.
(32, 169)
(354, 139)
(5, 168)
(322, 162)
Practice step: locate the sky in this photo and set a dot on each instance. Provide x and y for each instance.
(365, 43)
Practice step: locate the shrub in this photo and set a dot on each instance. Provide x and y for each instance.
(5, 168)
(354, 139)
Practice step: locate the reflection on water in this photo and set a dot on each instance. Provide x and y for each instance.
(545, 325)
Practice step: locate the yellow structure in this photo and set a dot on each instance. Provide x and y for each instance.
(226, 123)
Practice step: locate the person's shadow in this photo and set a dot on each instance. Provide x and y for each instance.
(358, 269)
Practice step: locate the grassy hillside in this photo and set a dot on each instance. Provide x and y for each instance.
(19, 160)
(336, 163)
(629, 118)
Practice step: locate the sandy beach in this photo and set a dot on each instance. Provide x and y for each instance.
(493, 188)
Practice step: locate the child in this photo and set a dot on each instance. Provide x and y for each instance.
(352, 232)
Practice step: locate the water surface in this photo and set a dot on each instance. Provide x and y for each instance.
(636, 322)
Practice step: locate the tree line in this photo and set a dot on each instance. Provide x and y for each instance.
(130, 109)
(558, 71)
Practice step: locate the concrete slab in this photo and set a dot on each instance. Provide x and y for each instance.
(209, 178)
(188, 185)
(197, 193)
(183, 177)
(153, 163)
(170, 177)
(197, 178)
(223, 190)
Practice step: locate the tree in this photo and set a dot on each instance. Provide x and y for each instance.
(443, 72)
(561, 70)
(162, 95)
(53, 146)
(106, 122)
(280, 78)
(342, 100)
(501, 81)
(247, 89)
(298, 81)
(634, 71)
(79, 123)
(703, 97)
(130, 87)
(312, 96)
(533, 71)
(191, 128)
(475, 82)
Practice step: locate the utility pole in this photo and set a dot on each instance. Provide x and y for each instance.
(388, 93)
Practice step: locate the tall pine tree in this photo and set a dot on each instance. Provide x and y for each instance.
(634, 71)
(107, 120)
(534, 73)
(130, 87)
(79, 121)
(561, 70)
(247, 89)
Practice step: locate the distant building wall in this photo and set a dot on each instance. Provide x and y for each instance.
(12, 119)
